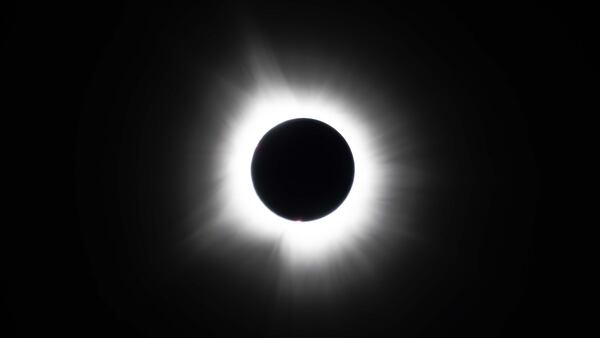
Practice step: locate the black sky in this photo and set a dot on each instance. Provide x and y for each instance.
(90, 85)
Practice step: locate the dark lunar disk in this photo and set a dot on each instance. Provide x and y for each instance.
(302, 169)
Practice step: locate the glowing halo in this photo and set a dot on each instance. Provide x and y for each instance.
(233, 224)
(304, 242)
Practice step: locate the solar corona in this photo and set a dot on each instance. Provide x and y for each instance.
(319, 211)
(305, 177)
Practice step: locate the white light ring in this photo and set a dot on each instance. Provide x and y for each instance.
(311, 243)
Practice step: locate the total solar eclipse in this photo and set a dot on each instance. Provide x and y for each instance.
(302, 169)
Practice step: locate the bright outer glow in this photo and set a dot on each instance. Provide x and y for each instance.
(233, 225)
(303, 242)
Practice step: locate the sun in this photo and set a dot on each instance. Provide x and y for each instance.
(315, 241)
(229, 221)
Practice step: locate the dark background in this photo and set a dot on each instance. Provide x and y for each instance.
(100, 95)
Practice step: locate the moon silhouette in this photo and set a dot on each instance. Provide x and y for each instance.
(302, 169)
